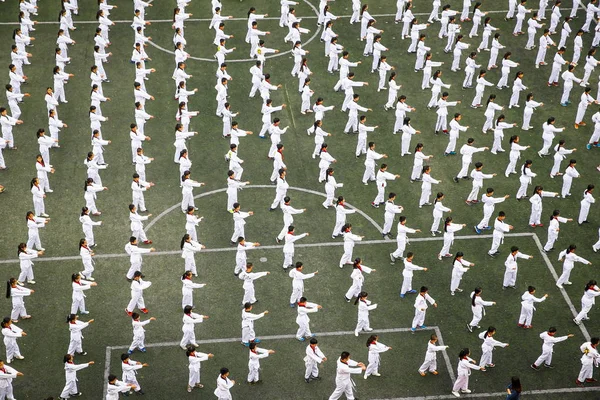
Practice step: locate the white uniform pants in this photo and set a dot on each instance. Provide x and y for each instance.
(78, 305)
(138, 342)
(526, 316)
(303, 330)
(136, 299)
(419, 318)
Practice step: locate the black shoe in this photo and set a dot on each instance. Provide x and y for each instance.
(455, 179)
(307, 380)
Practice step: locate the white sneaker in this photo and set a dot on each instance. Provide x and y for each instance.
(456, 393)
(369, 330)
(356, 333)
(19, 357)
(376, 374)
(366, 376)
(466, 391)
(559, 286)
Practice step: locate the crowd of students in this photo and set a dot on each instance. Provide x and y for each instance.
(339, 61)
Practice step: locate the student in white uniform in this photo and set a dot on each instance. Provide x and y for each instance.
(345, 369)
(526, 176)
(510, 273)
(33, 225)
(421, 308)
(465, 365)
(88, 226)
(430, 363)
(449, 229)
(138, 285)
(478, 176)
(71, 369)
(550, 339)
(489, 204)
(139, 333)
(240, 256)
(130, 368)
(588, 361)
(224, 384)
(401, 239)
(500, 228)
(375, 348)
(527, 307)
(536, 205)
(7, 374)
(189, 248)
(370, 158)
(78, 299)
(7, 122)
(349, 241)
(288, 219)
(427, 181)
(194, 359)
(16, 292)
(357, 279)
(190, 319)
(330, 186)
(407, 273)
(314, 357)
(477, 308)
(588, 299)
(391, 210)
(586, 203)
(569, 257)
(188, 186)
(553, 229)
(407, 133)
(288, 247)
(86, 254)
(382, 177)
(298, 278)
(75, 328)
(364, 307)
(570, 174)
(249, 277)
(239, 222)
(138, 187)
(304, 308)
(115, 387)
(248, 335)
(487, 347)
(459, 267)
(26, 256)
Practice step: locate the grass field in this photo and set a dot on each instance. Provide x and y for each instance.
(282, 372)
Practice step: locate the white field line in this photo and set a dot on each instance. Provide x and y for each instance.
(109, 349)
(500, 395)
(233, 19)
(269, 247)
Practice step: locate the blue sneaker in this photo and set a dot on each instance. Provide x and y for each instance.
(564, 104)
(452, 153)
(292, 305)
(246, 344)
(256, 340)
(301, 339)
(402, 295)
(130, 352)
(412, 291)
(313, 334)
(422, 327)
(143, 349)
(487, 228)
(477, 230)
(588, 146)
(413, 330)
